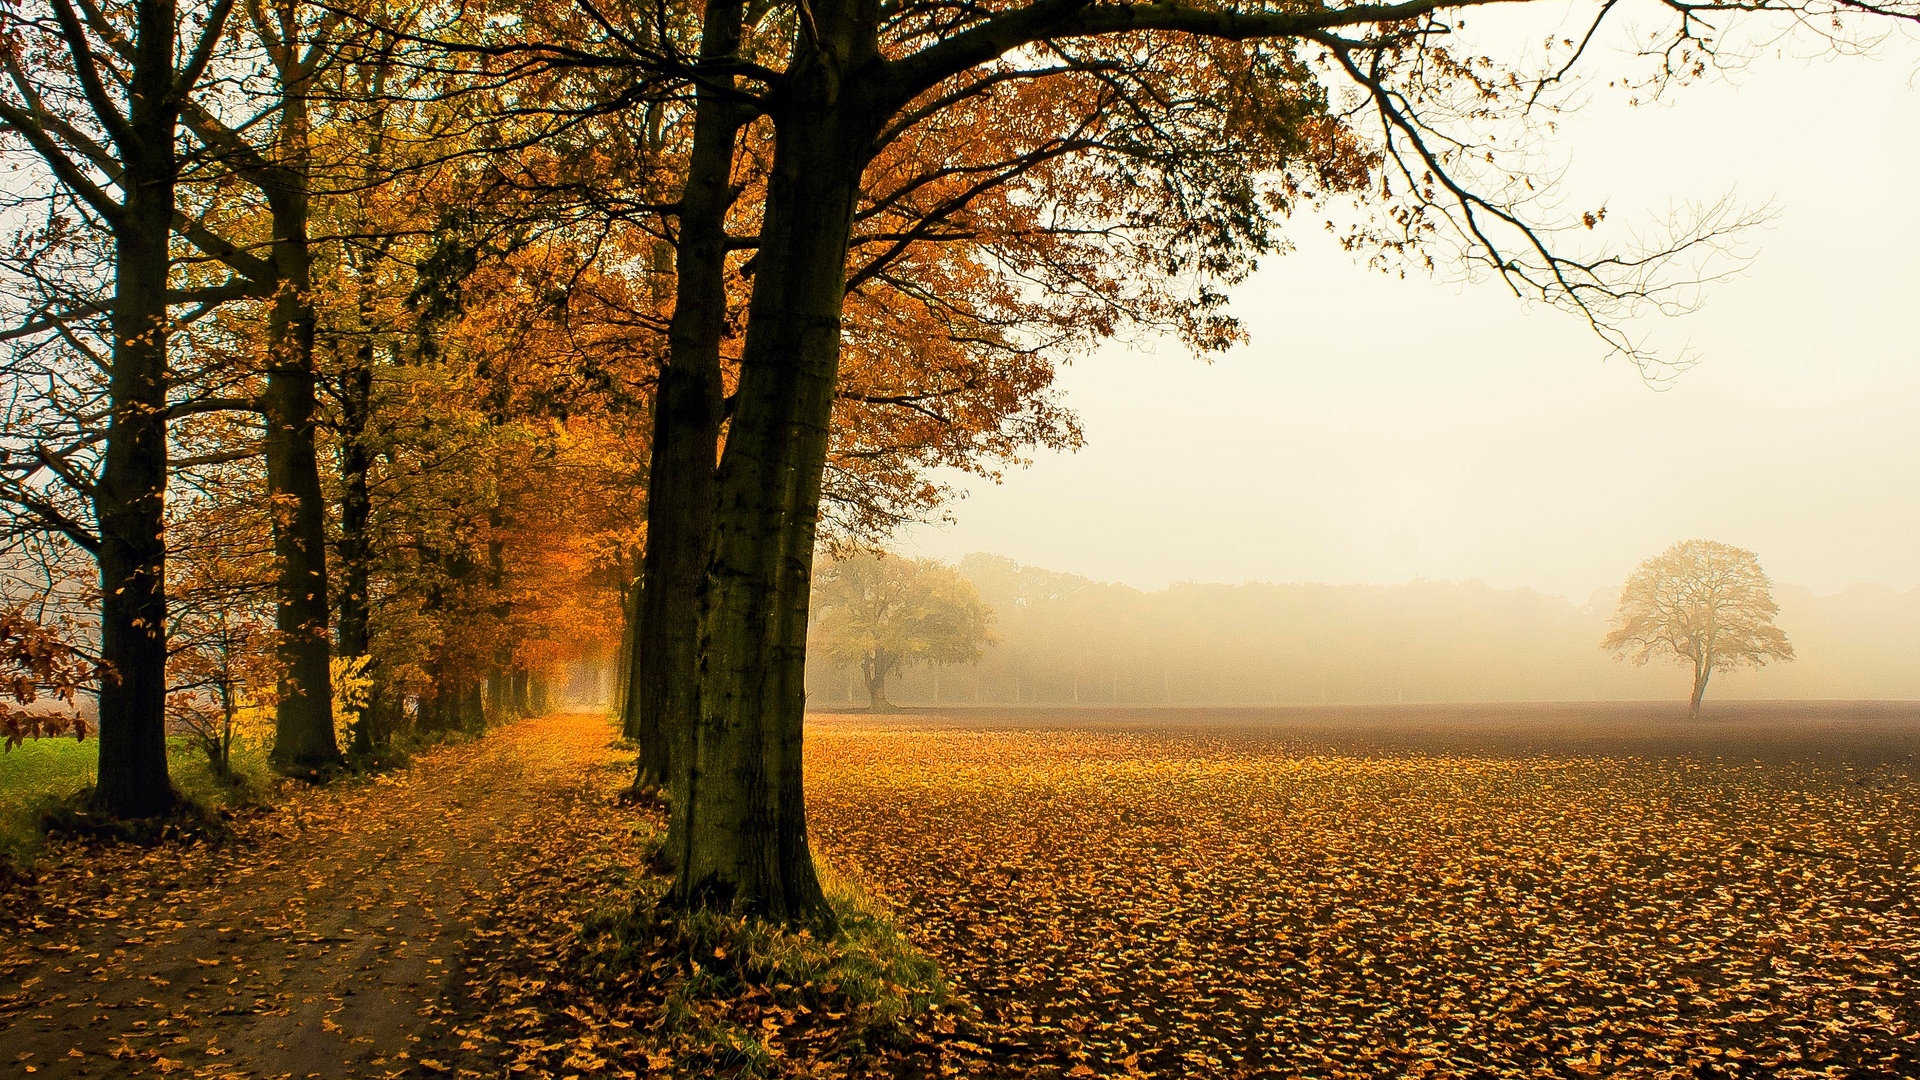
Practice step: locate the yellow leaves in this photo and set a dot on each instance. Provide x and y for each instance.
(352, 693)
(583, 1059)
(1214, 902)
(1593, 1065)
(1175, 898)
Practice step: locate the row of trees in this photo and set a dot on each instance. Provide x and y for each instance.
(659, 292)
(371, 392)
(271, 404)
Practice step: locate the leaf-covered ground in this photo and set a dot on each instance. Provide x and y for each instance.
(1360, 894)
(326, 938)
(1391, 895)
(487, 912)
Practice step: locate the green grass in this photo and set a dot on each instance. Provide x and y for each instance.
(719, 977)
(32, 775)
(42, 774)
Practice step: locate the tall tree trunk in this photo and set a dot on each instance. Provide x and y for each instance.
(664, 697)
(679, 535)
(473, 709)
(1701, 673)
(432, 715)
(499, 703)
(353, 605)
(501, 610)
(623, 657)
(304, 742)
(744, 838)
(130, 496)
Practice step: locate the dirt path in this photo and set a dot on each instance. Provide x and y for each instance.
(324, 941)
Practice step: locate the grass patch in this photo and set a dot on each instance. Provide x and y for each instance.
(43, 783)
(738, 997)
(32, 776)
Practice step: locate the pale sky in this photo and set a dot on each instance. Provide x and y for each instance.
(1380, 430)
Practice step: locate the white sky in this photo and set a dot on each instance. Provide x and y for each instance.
(1379, 430)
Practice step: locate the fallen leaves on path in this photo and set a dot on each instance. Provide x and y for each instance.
(580, 972)
(487, 912)
(318, 941)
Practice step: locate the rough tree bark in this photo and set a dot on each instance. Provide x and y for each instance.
(744, 841)
(130, 496)
(304, 742)
(664, 695)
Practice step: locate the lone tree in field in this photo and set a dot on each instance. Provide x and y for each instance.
(886, 612)
(1700, 602)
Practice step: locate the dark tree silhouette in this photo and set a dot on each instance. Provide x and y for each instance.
(107, 135)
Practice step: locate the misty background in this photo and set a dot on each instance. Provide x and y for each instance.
(1379, 429)
(1455, 484)
(1063, 639)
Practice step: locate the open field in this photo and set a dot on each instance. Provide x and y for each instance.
(1421, 891)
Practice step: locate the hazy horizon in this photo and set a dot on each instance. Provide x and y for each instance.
(1060, 638)
(1379, 430)
(1179, 582)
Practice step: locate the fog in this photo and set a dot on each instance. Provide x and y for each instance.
(1063, 639)
(1377, 430)
(1457, 483)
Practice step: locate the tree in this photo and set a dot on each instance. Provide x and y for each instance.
(279, 163)
(108, 141)
(1699, 602)
(1204, 128)
(884, 612)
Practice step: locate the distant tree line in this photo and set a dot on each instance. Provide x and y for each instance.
(1063, 639)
